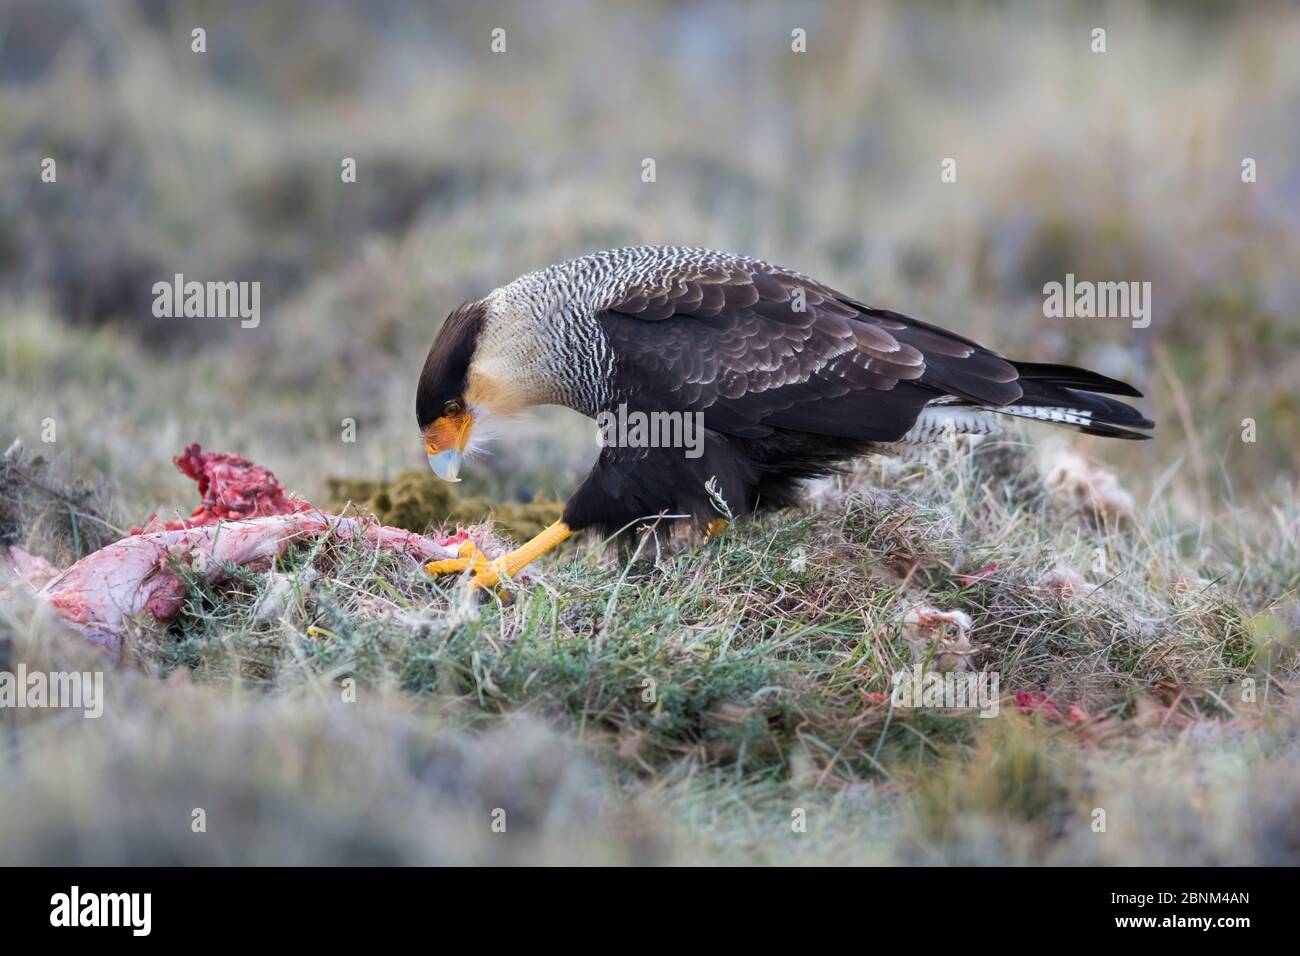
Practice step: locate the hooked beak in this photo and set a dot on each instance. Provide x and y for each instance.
(446, 464)
(444, 442)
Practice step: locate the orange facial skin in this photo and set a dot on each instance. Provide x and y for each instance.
(448, 431)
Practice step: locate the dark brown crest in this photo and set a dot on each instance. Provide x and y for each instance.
(446, 368)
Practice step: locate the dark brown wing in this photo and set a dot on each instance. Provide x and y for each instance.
(757, 348)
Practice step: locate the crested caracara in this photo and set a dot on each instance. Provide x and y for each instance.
(787, 377)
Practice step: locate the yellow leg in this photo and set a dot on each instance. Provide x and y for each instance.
(470, 556)
(715, 529)
(488, 574)
(521, 557)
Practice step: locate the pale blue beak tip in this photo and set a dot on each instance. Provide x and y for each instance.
(446, 464)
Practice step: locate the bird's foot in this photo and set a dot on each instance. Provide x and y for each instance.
(483, 573)
(469, 558)
(486, 574)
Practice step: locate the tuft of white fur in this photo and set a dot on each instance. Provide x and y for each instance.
(1063, 581)
(1091, 488)
(940, 636)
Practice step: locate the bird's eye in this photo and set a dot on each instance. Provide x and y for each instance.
(452, 408)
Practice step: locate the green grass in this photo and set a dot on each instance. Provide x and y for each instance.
(707, 695)
(345, 708)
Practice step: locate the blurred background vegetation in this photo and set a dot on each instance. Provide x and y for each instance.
(475, 166)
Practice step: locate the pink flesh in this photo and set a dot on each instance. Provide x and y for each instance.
(246, 519)
(137, 574)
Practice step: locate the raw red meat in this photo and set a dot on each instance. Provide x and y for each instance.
(1037, 702)
(139, 574)
(966, 580)
(246, 518)
(231, 488)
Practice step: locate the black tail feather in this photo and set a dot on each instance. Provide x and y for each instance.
(1068, 376)
(1063, 395)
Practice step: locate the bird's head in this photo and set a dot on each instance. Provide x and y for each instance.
(444, 405)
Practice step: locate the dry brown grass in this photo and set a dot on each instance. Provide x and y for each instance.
(769, 649)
